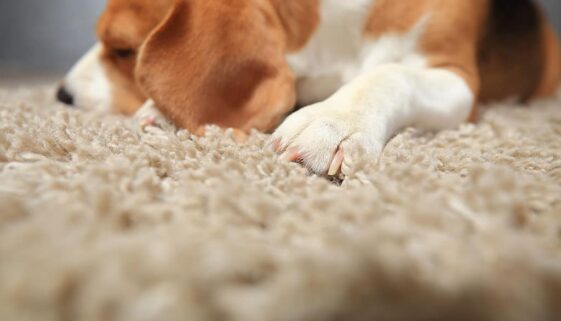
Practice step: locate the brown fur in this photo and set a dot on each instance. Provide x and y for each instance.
(511, 52)
(502, 48)
(222, 62)
(299, 19)
(124, 26)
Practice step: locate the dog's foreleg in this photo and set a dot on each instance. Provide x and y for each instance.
(364, 114)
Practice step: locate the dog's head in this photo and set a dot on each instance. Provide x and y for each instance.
(202, 62)
(105, 76)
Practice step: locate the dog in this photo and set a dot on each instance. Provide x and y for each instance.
(363, 68)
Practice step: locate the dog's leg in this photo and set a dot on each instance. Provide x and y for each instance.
(361, 117)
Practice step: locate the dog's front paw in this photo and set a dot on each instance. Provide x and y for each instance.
(149, 117)
(327, 137)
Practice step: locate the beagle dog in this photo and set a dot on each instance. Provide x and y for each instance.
(363, 68)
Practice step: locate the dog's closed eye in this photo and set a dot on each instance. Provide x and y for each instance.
(122, 53)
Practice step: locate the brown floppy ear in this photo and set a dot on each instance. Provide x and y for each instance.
(218, 62)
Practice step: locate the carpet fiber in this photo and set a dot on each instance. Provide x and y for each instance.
(98, 222)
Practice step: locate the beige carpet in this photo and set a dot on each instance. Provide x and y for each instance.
(98, 223)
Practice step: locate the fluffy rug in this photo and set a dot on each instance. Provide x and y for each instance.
(98, 222)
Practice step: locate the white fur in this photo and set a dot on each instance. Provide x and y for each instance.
(376, 88)
(332, 56)
(88, 83)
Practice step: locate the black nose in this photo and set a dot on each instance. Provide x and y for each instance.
(64, 96)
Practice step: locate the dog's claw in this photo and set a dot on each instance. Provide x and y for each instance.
(292, 155)
(149, 121)
(336, 163)
(148, 116)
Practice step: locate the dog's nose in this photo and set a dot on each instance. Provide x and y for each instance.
(64, 96)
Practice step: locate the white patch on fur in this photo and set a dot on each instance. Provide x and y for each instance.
(333, 54)
(377, 87)
(88, 83)
(393, 48)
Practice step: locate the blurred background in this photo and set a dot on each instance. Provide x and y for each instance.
(48, 36)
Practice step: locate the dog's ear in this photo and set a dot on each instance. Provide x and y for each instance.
(218, 62)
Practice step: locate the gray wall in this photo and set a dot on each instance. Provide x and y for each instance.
(45, 35)
(553, 8)
(49, 35)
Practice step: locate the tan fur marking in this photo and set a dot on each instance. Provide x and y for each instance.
(299, 18)
(496, 60)
(219, 63)
(126, 94)
(124, 25)
(449, 37)
(394, 16)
